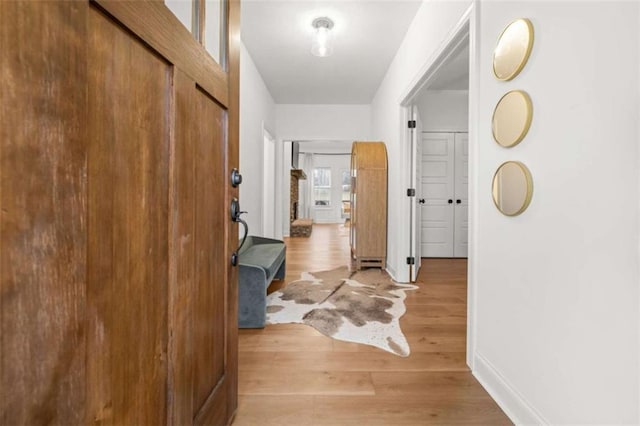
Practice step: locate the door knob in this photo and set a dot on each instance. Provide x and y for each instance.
(421, 201)
(235, 210)
(450, 201)
(458, 201)
(236, 178)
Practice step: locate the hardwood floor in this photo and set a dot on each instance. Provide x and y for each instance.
(290, 374)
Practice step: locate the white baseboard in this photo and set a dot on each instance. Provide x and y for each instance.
(391, 272)
(512, 403)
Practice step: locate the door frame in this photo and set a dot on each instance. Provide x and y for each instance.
(283, 179)
(465, 31)
(415, 251)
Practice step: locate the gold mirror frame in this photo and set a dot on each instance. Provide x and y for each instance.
(505, 42)
(511, 116)
(528, 182)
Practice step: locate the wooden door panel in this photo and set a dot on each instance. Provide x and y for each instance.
(129, 90)
(42, 213)
(374, 208)
(209, 325)
(154, 23)
(182, 261)
(199, 292)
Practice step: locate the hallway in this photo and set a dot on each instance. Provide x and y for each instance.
(291, 374)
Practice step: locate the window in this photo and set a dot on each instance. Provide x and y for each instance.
(322, 186)
(346, 194)
(346, 185)
(206, 20)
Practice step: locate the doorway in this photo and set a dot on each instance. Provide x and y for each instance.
(450, 73)
(438, 155)
(324, 187)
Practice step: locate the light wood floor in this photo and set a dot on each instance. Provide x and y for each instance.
(292, 375)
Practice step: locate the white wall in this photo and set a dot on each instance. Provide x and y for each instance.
(269, 186)
(557, 287)
(432, 24)
(314, 122)
(444, 110)
(323, 122)
(638, 201)
(256, 107)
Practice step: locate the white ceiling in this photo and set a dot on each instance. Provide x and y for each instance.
(367, 34)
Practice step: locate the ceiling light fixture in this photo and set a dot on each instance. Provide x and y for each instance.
(322, 45)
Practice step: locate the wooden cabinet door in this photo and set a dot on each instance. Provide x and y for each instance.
(118, 297)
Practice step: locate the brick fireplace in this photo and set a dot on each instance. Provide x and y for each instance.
(299, 227)
(296, 176)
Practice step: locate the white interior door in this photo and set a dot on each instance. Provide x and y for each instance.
(461, 215)
(269, 187)
(437, 190)
(416, 142)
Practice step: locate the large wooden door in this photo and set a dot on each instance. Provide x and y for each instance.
(118, 297)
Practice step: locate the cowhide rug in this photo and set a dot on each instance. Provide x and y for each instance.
(354, 306)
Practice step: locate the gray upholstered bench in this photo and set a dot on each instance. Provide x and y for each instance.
(261, 261)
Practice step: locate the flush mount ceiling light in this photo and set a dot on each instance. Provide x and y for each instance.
(322, 45)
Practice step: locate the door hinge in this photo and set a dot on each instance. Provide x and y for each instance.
(412, 124)
(411, 260)
(411, 192)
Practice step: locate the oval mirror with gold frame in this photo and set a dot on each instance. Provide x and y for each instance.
(513, 49)
(512, 188)
(512, 118)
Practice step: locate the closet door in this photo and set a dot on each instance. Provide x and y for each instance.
(437, 189)
(444, 188)
(461, 210)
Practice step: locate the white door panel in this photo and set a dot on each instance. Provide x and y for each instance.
(437, 146)
(437, 169)
(436, 193)
(437, 188)
(461, 219)
(416, 226)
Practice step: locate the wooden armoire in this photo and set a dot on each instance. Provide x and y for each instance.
(118, 137)
(368, 235)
